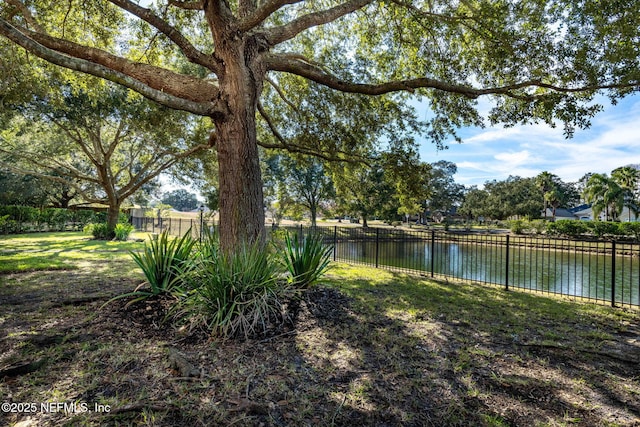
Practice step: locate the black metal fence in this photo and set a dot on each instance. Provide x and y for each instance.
(174, 226)
(600, 271)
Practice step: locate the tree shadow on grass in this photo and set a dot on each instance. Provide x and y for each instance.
(438, 353)
(370, 348)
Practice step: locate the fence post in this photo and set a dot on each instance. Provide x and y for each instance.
(506, 272)
(613, 273)
(433, 250)
(335, 241)
(377, 245)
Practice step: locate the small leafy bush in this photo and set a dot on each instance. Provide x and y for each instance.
(237, 294)
(122, 231)
(631, 229)
(538, 226)
(83, 217)
(164, 263)
(517, 226)
(100, 231)
(4, 219)
(306, 261)
(567, 227)
(604, 228)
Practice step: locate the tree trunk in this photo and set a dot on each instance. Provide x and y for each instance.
(240, 180)
(112, 218)
(314, 215)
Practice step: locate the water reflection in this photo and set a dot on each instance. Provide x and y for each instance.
(566, 272)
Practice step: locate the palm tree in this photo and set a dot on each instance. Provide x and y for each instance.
(604, 194)
(553, 197)
(628, 178)
(546, 182)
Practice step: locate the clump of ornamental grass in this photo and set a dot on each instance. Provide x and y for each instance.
(164, 262)
(241, 293)
(306, 259)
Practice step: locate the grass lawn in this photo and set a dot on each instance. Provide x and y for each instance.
(369, 347)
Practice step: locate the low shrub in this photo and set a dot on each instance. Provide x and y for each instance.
(122, 231)
(538, 226)
(239, 294)
(164, 261)
(517, 226)
(4, 220)
(83, 217)
(567, 227)
(605, 228)
(631, 229)
(100, 231)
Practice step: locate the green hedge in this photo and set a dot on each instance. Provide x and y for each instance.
(575, 228)
(22, 219)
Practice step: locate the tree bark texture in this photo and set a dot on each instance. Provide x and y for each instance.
(240, 180)
(112, 217)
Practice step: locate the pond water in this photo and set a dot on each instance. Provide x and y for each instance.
(567, 272)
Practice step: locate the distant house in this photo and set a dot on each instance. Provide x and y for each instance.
(585, 213)
(561, 213)
(627, 215)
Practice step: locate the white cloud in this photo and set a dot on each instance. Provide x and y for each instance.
(495, 153)
(514, 158)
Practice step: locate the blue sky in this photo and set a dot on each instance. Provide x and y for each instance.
(496, 152)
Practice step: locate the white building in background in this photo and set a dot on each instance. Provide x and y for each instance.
(586, 214)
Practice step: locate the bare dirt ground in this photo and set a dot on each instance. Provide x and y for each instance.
(352, 357)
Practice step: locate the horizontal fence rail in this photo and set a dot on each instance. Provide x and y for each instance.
(600, 271)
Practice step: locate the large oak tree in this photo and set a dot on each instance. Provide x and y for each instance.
(102, 143)
(535, 60)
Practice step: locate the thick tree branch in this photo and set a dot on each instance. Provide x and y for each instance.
(74, 135)
(81, 191)
(136, 76)
(190, 51)
(262, 13)
(158, 78)
(288, 31)
(56, 166)
(291, 65)
(187, 5)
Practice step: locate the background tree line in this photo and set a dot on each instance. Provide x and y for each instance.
(393, 185)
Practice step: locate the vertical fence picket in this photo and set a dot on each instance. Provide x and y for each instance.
(377, 246)
(433, 251)
(506, 270)
(613, 273)
(335, 242)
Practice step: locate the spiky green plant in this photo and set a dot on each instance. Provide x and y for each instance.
(236, 294)
(164, 261)
(306, 259)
